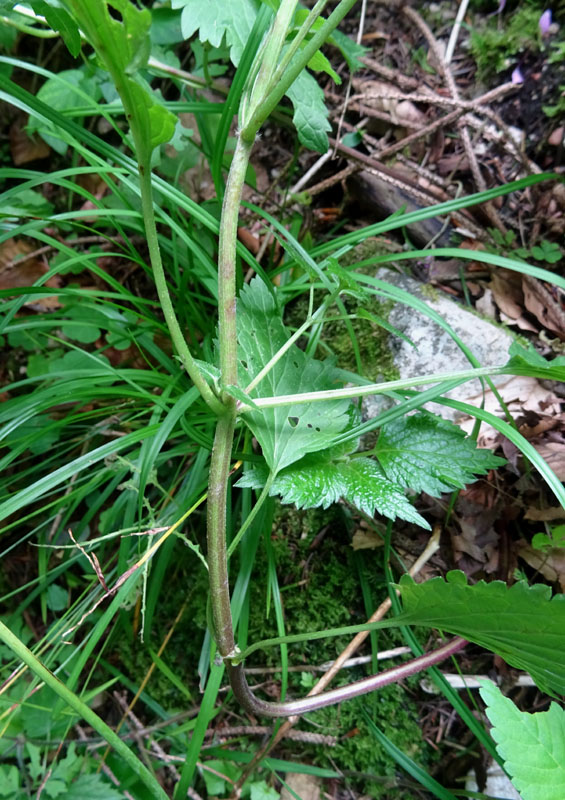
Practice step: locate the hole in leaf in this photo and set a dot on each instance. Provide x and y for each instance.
(318, 429)
(114, 13)
(243, 364)
(309, 425)
(293, 421)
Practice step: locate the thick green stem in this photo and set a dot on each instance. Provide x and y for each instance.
(216, 526)
(177, 336)
(227, 332)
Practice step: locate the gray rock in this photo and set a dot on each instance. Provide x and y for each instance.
(436, 351)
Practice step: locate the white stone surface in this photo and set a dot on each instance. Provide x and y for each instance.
(436, 351)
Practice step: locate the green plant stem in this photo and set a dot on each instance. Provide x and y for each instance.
(375, 388)
(298, 39)
(89, 716)
(227, 332)
(216, 530)
(276, 91)
(260, 83)
(179, 342)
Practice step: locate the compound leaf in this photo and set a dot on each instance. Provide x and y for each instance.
(428, 454)
(532, 745)
(288, 432)
(326, 477)
(521, 623)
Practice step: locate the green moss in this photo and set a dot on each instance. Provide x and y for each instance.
(496, 44)
(324, 592)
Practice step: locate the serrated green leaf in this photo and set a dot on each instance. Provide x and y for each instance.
(428, 454)
(215, 19)
(286, 433)
(521, 623)
(527, 361)
(331, 475)
(310, 112)
(61, 21)
(532, 745)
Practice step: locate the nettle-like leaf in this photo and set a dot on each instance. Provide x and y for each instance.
(216, 18)
(523, 624)
(532, 745)
(428, 454)
(289, 432)
(326, 477)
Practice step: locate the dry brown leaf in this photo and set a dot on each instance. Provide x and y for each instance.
(486, 306)
(17, 271)
(554, 454)
(384, 97)
(520, 322)
(507, 294)
(307, 787)
(540, 302)
(25, 148)
(366, 540)
(545, 514)
(520, 393)
(550, 563)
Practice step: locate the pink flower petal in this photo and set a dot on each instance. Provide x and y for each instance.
(517, 76)
(545, 22)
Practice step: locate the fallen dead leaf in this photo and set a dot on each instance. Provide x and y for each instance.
(540, 302)
(307, 787)
(486, 305)
(26, 148)
(381, 96)
(520, 394)
(507, 293)
(366, 540)
(550, 563)
(545, 514)
(554, 454)
(18, 269)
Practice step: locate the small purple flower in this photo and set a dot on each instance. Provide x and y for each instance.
(545, 22)
(517, 76)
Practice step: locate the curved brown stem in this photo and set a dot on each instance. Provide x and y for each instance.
(254, 705)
